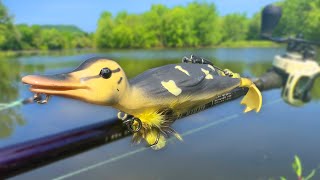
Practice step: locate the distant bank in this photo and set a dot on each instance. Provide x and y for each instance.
(237, 44)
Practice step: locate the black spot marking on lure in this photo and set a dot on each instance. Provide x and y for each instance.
(117, 89)
(116, 70)
(120, 80)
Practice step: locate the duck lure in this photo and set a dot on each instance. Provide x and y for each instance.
(150, 102)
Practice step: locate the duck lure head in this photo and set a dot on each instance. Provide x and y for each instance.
(97, 81)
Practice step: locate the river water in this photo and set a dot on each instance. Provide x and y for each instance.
(219, 143)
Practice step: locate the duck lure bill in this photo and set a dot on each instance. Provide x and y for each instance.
(153, 100)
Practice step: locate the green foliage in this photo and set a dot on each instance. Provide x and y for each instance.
(129, 31)
(298, 170)
(103, 37)
(205, 24)
(154, 22)
(63, 28)
(10, 71)
(313, 20)
(197, 24)
(177, 28)
(9, 38)
(247, 43)
(315, 91)
(300, 16)
(48, 37)
(52, 37)
(4, 16)
(296, 166)
(293, 19)
(190, 26)
(254, 27)
(235, 27)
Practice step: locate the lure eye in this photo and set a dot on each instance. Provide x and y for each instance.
(105, 73)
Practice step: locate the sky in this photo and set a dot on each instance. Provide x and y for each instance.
(85, 13)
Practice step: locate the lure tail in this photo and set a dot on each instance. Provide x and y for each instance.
(253, 99)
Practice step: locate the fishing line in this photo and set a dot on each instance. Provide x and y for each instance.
(128, 154)
(4, 106)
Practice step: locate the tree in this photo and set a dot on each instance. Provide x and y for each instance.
(177, 28)
(191, 26)
(26, 36)
(51, 39)
(294, 17)
(205, 24)
(103, 37)
(235, 27)
(9, 37)
(154, 25)
(313, 21)
(81, 41)
(254, 27)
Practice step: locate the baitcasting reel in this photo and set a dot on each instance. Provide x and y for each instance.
(298, 65)
(301, 76)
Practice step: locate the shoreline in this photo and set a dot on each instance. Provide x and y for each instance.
(230, 44)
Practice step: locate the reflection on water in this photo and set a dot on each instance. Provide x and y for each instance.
(315, 92)
(9, 119)
(10, 73)
(33, 121)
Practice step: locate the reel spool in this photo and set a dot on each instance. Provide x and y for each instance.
(301, 76)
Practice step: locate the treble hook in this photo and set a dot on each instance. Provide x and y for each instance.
(129, 123)
(38, 98)
(156, 141)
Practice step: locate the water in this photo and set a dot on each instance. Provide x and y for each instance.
(219, 143)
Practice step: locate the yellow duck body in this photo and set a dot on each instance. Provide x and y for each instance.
(156, 97)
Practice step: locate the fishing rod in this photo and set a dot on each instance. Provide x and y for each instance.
(29, 155)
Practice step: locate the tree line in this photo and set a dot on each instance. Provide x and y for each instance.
(36, 37)
(196, 25)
